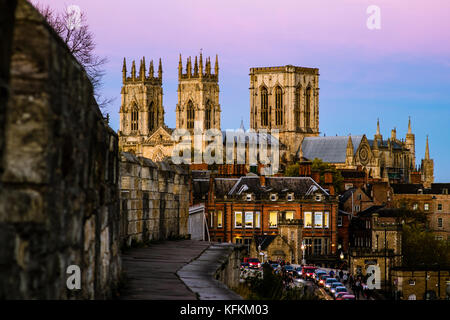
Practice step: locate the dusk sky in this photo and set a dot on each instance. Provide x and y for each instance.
(401, 70)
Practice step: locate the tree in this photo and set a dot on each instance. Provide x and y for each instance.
(73, 29)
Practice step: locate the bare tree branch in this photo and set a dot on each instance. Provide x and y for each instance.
(81, 44)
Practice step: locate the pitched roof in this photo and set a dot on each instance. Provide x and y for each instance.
(264, 241)
(328, 149)
(300, 186)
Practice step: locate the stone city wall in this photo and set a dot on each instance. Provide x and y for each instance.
(59, 196)
(154, 200)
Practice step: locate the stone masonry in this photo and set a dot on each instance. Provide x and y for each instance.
(154, 199)
(59, 196)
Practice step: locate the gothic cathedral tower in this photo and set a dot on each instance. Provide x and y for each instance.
(198, 95)
(141, 111)
(285, 98)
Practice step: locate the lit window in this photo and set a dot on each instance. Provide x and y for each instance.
(249, 219)
(289, 215)
(307, 218)
(211, 219)
(273, 219)
(326, 220)
(257, 220)
(426, 207)
(238, 219)
(219, 219)
(439, 238)
(318, 222)
(415, 206)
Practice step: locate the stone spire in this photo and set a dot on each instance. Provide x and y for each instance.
(133, 71)
(195, 67)
(124, 70)
(201, 65)
(188, 67)
(151, 71)
(160, 69)
(409, 125)
(142, 69)
(180, 68)
(216, 66)
(427, 151)
(349, 151)
(378, 134)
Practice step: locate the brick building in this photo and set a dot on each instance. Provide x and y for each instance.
(240, 209)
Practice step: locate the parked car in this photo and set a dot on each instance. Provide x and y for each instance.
(308, 271)
(253, 263)
(339, 289)
(298, 270)
(334, 285)
(317, 274)
(346, 297)
(289, 268)
(329, 282)
(322, 280)
(244, 265)
(340, 294)
(275, 266)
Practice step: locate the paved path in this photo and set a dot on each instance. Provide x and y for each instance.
(151, 271)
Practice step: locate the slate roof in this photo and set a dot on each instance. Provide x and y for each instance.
(264, 241)
(200, 188)
(329, 149)
(300, 186)
(406, 188)
(381, 210)
(438, 188)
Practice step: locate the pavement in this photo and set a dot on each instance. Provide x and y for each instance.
(175, 270)
(151, 271)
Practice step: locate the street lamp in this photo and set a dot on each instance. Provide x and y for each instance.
(303, 252)
(341, 256)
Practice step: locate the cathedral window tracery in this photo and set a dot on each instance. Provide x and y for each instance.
(278, 106)
(264, 108)
(308, 108)
(190, 115)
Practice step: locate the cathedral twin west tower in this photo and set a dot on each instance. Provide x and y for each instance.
(284, 98)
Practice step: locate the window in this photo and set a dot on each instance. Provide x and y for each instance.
(190, 115)
(445, 191)
(318, 197)
(264, 108)
(317, 246)
(273, 197)
(289, 215)
(247, 241)
(135, 120)
(426, 206)
(273, 219)
(326, 219)
(292, 236)
(238, 219)
(249, 197)
(298, 91)
(357, 208)
(440, 222)
(308, 108)
(415, 206)
(249, 219)
(211, 219)
(308, 245)
(339, 222)
(290, 197)
(257, 220)
(151, 117)
(325, 246)
(208, 115)
(238, 240)
(278, 106)
(219, 219)
(307, 218)
(359, 197)
(318, 222)
(439, 206)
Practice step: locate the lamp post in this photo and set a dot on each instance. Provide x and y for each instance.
(303, 253)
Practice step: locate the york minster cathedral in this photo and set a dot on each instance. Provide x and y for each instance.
(285, 98)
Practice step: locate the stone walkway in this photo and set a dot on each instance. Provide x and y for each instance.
(151, 271)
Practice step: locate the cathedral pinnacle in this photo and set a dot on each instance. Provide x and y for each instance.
(160, 69)
(427, 151)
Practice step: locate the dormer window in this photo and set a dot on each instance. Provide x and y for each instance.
(445, 191)
(290, 197)
(248, 197)
(273, 197)
(318, 197)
